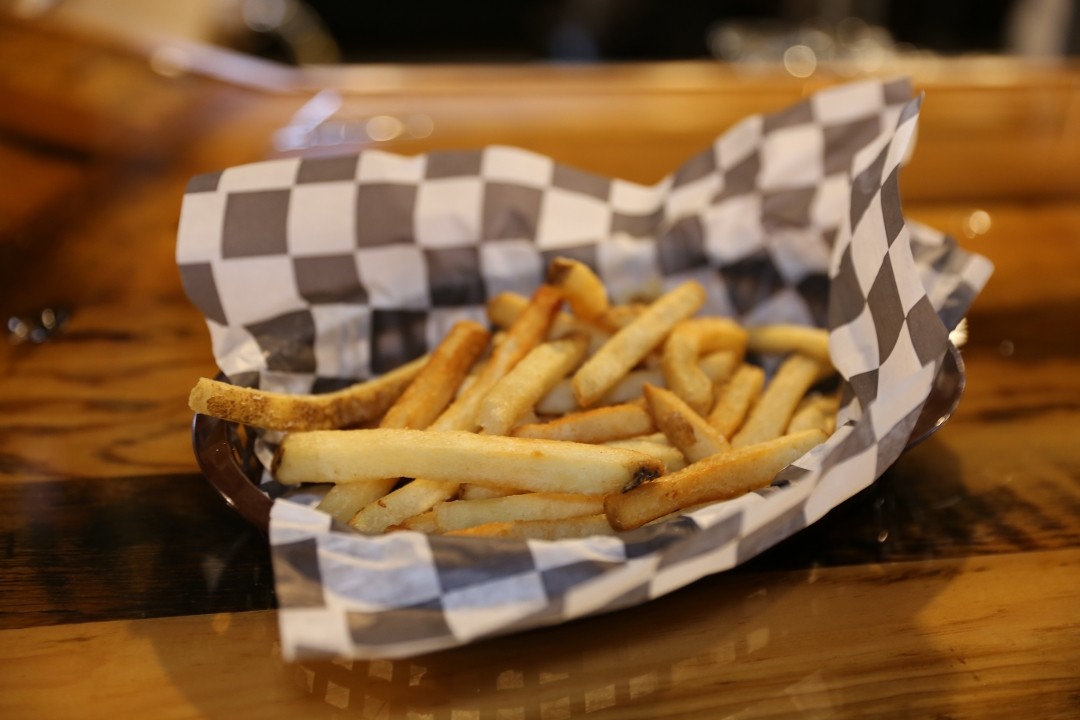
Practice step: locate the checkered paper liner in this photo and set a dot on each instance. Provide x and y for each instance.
(315, 272)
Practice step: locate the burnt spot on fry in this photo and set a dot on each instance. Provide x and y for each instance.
(641, 475)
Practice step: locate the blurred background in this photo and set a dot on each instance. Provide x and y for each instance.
(800, 33)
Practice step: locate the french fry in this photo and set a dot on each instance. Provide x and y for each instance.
(528, 331)
(720, 365)
(617, 317)
(426, 397)
(456, 457)
(734, 399)
(435, 386)
(769, 417)
(560, 400)
(471, 491)
(395, 508)
(628, 346)
(686, 430)
(518, 391)
(351, 406)
(460, 514)
(783, 339)
(816, 410)
(424, 523)
(665, 452)
(720, 477)
(505, 307)
(564, 529)
(584, 291)
(688, 340)
(593, 426)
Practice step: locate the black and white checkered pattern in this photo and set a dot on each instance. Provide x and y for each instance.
(313, 272)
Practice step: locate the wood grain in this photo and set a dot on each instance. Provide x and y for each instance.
(120, 410)
(938, 638)
(135, 547)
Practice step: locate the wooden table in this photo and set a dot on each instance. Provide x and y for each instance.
(950, 588)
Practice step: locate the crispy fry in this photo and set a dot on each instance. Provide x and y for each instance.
(456, 457)
(593, 426)
(665, 452)
(470, 491)
(504, 308)
(435, 385)
(720, 477)
(461, 514)
(528, 331)
(528, 381)
(688, 340)
(584, 291)
(564, 529)
(352, 406)
(424, 523)
(816, 410)
(628, 346)
(617, 317)
(786, 339)
(769, 417)
(720, 365)
(734, 399)
(417, 407)
(560, 400)
(686, 430)
(396, 507)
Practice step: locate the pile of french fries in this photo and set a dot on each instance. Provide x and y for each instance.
(592, 420)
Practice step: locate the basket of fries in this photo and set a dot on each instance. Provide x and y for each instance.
(469, 393)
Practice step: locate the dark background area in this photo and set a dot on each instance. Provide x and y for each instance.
(631, 30)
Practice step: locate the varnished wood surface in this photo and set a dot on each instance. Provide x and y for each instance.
(940, 639)
(948, 589)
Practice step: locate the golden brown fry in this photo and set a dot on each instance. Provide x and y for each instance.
(816, 410)
(688, 340)
(560, 400)
(435, 385)
(734, 399)
(461, 514)
(717, 366)
(528, 331)
(769, 417)
(504, 308)
(352, 406)
(720, 365)
(686, 430)
(565, 529)
(619, 316)
(786, 339)
(423, 523)
(417, 407)
(584, 291)
(720, 477)
(631, 344)
(344, 500)
(665, 452)
(456, 457)
(396, 507)
(528, 381)
(469, 491)
(593, 426)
